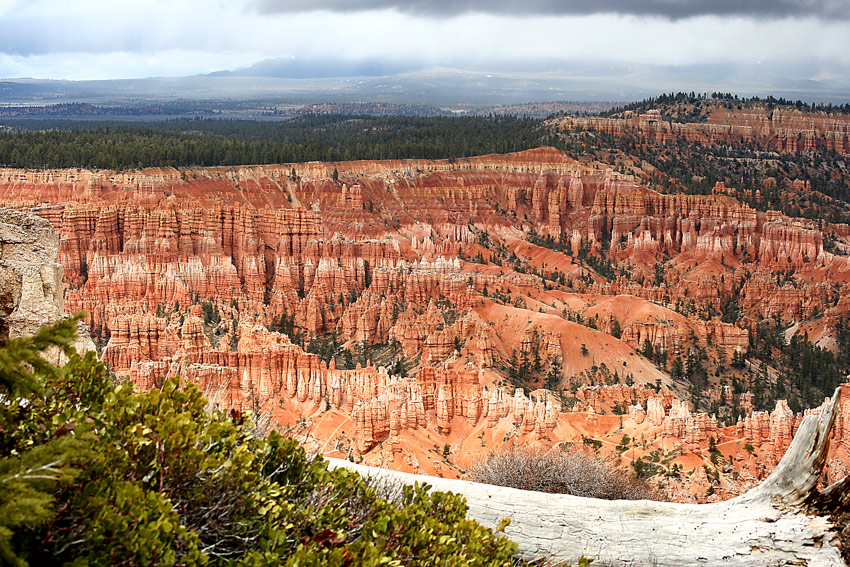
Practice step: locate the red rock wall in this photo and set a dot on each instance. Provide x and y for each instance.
(781, 130)
(374, 260)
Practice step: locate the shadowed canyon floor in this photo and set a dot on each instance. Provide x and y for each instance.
(419, 314)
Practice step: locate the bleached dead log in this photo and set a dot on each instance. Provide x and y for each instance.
(783, 521)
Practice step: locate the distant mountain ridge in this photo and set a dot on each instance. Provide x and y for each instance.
(300, 81)
(294, 68)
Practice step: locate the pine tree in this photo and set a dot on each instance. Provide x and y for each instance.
(35, 457)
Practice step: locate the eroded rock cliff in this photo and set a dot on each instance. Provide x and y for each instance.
(421, 313)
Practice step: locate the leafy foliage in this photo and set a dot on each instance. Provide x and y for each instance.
(35, 454)
(93, 474)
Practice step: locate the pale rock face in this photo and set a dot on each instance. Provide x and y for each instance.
(775, 429)
(694, 429)
(637, 413)
(31, 278)
(31, 273)
(655, 410)
(623, 396)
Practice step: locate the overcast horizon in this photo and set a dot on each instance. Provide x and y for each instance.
(801, 40)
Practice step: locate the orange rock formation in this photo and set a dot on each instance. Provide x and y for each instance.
(468, 283)
(781, 130)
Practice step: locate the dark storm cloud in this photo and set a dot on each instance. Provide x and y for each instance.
(672, 9)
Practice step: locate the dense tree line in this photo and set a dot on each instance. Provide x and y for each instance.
(807, 372)
(653, 102)
(683, 167)
(189, 143)
(693, 98)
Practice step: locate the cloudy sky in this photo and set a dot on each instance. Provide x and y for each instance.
(106, 39)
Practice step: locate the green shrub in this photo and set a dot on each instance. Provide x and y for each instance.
(96, 474)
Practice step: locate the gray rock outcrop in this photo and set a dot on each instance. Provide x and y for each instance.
(30, 277)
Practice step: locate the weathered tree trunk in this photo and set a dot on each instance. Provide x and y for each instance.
(783, 521)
